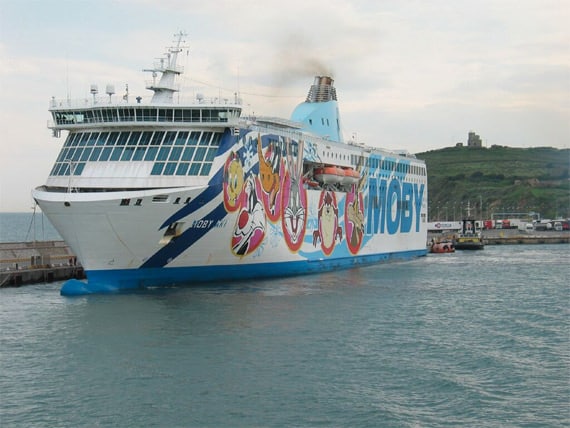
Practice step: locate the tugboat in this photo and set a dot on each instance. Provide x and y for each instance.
(469, 238)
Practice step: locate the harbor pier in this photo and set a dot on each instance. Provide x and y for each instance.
(37, 262)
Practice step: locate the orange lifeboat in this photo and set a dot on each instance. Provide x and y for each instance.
(350, 177)
(329, 174)
(310, 184)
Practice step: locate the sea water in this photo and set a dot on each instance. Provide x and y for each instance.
(26, 227)
(470, 339)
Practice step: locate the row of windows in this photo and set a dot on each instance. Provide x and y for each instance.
(144, 114)
(138, 138)
(159, 168)
(174, 153)
(391, 165)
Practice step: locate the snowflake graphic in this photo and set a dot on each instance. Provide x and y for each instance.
(249, 154)
(311, 153)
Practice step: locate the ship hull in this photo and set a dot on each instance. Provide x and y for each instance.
(110, 281)
(166, 237)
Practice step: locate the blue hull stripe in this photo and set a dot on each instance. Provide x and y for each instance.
(202, 199)
(181, 243)
(110, 281)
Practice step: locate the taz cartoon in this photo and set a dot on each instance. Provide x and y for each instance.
(329, 229)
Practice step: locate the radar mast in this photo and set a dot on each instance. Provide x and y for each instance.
(166, 86)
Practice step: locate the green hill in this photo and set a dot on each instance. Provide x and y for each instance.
(500, 179)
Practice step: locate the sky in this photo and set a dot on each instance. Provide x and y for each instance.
(410, 74)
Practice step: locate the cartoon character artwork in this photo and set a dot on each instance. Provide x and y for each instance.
(329, 228)
(233, 182)
(294, 195)
(271, 176)
(354, 221)
(250, 226)
(354, 217)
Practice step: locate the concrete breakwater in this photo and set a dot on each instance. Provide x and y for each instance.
(36, 262)
(516, 237)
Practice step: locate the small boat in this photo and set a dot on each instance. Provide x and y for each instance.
(469, 238)
(310, 184)
(351, 177)
(329, 174)
(445, 246)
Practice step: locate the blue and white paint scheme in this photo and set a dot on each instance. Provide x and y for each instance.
(169, 192)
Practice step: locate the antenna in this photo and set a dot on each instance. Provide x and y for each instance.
(67, 78)
(94, 91)
(126, 96)
(110, 90)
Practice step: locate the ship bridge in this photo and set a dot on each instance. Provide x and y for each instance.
(75, 115)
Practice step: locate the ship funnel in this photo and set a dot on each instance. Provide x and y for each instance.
(319, 113)
(322, 90)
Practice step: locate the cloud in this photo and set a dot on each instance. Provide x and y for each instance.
(408, 74)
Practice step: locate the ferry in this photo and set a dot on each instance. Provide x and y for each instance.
(176, 192)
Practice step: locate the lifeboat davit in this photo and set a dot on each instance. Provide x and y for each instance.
(329, 174)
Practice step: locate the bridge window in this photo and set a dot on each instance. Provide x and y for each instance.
(187, 154)
(95, 154)
(200, 153)
(127, 153)
(163, 153)
(151, 154)
(175, 152)
(169, 138)
(102, 139)
(116, 154)
(181, 138)
(139, 153)
(86, 153)
(182, 168)
(169, 168)
(105, 154)
(157, 168)
(145, 138)
(165, 115)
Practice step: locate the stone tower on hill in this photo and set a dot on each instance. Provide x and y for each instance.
(474, 140)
